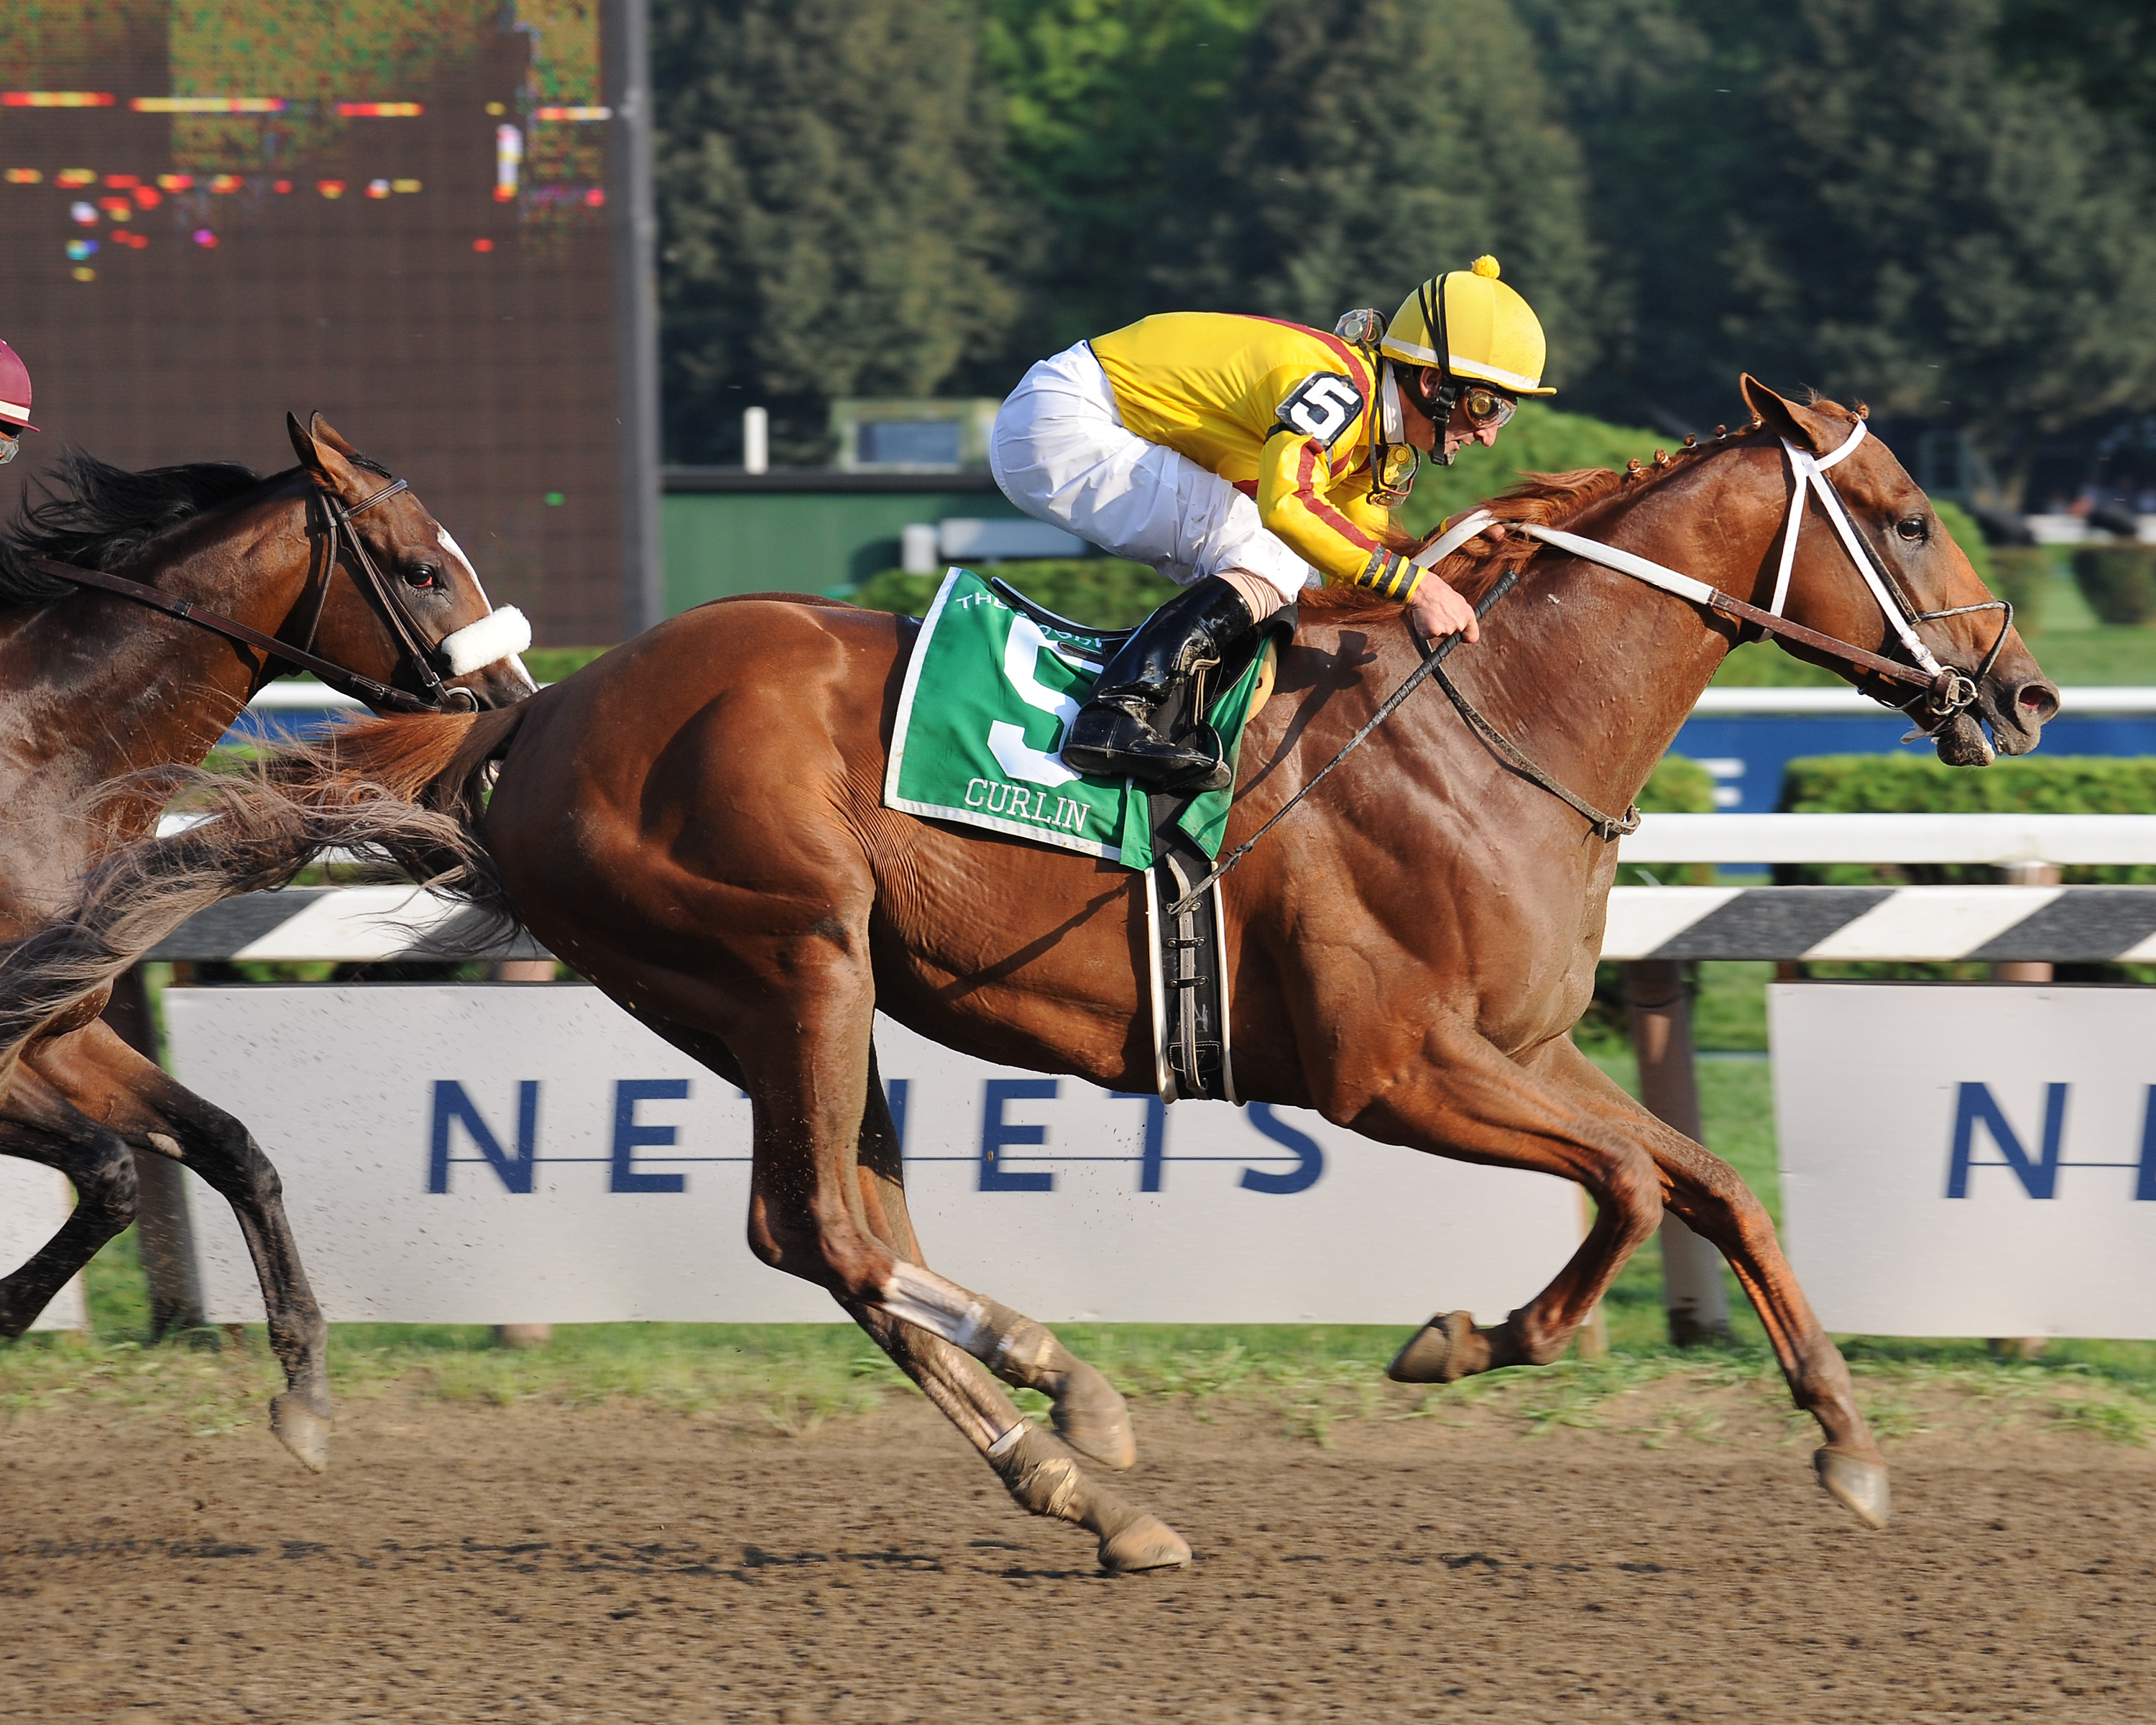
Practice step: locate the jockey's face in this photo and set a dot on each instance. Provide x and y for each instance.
(11, 442)
(1459, 432)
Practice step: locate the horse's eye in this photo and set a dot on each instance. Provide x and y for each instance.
(1913, 529)
(423, 575)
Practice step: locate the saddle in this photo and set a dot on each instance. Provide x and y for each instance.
(1110, 640)
(1188, 976)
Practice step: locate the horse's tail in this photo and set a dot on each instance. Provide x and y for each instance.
(408, 788)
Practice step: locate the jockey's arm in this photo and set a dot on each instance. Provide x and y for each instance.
(1344, 540)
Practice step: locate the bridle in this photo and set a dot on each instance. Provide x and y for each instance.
(1941, 693)
(428, 660)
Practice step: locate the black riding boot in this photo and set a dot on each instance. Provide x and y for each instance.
(1112, 737)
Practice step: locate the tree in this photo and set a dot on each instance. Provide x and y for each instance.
(1113, 113)
(830, 222)
(1871, 196)
(1375, 143)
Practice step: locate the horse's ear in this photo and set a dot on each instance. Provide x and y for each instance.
(1807, 428)
(326, 433)
(321, 452)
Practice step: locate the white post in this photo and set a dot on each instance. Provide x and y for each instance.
(2026, 874)
(2024, 970)
(917, 547)
(755, 440)
(524, 970)
(1693, 1292)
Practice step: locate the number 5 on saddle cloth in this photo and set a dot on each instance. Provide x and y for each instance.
(992, 685)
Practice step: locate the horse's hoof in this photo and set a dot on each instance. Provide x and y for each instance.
(1090, 1417)
(303, 1430)
(1441, 1351)
(1859, 1483)
(1146, 1543)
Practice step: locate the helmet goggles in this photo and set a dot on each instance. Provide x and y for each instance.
(1487, 408)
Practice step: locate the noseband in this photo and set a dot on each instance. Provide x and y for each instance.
(436, 696)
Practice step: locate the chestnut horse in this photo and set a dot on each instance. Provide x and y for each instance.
(94, 685)
(695, 823)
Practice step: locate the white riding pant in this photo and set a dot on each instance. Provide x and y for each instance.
(1060, 452)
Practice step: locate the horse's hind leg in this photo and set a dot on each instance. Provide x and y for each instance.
(1040, 1480)
(142, 1103)
(810, 1076)
(1088, 1414)
(38, 1125)
(1714, 1201)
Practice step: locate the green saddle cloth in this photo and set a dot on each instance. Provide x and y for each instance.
(989, 699)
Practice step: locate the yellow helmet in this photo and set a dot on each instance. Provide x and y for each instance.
(1483, 330)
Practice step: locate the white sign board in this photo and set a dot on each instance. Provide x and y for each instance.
(34, 1202)
(1963, 1160)
(531, 1154)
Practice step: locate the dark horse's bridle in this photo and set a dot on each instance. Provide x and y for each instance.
(428, 660)
(1941, 694)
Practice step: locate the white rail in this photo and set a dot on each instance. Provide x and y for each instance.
(1827, 703)
(289, 696)
(1996, 839)
(1768, 838)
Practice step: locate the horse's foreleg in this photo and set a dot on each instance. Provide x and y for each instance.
(138, 1099)
(1714, 1201)
(38, 1125)
(1470, 1102)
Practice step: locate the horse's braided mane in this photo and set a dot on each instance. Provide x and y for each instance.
(1545, 497)
(104, 517)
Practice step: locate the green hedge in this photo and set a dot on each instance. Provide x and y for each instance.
(2118, 581)
(1677, 786)
(2034, 784)
(2038, 784)
(1105, 592)
(2023, 575)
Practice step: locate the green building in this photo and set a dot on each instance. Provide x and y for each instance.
(820, 530)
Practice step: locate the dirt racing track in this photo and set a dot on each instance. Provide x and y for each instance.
(619, 1564)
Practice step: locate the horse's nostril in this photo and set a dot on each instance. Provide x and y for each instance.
(2037, 701)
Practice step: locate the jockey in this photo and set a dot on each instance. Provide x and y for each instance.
(14, 403)
(1246, 457)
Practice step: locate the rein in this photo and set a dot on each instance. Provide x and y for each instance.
(1432, 659)
(1945, 693)
(345, 681)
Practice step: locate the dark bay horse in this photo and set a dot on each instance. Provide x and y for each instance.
(95, 686)
(694, 821)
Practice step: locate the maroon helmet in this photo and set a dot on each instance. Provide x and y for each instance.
(14, 391)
